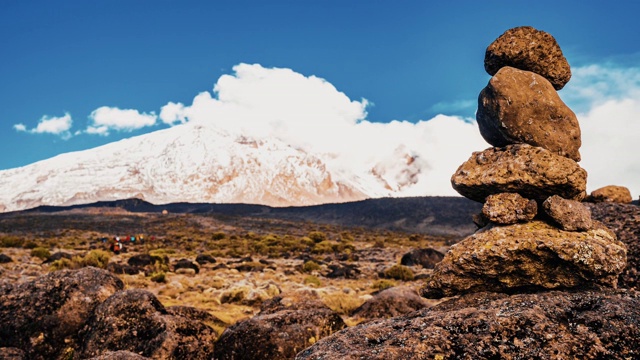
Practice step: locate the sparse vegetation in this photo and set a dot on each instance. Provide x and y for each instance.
(40, 252)
(11, 241)
(383, 284)
(310, 266)
(312, 281)
(399, 272)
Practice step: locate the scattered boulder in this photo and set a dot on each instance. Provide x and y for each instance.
(611, 193)
(4, 258)
(57, 256)
(529, 49)
(42, 317)
(186, 264)
(584, 324)
(117, 268)
(142, 260)
(533, 172)
(119, 355)
(509, 208)
(205, 259)
(570, 215)
(522, 107)
(391, 302)
(624, 220)
(427, 258)
(134, 320)
(277, 332)
(346, 271)
(533, 255)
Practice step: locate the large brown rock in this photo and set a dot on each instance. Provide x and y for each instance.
(611, 193)
(533, 172)
(520, 106)
(135, 321)
(529, 49)
(391, 302)
(425, 257)
(533, 255)
(509, 208)
(284, 327)
(570, 215)
(42, 317)
(586, 324)
(624, 220)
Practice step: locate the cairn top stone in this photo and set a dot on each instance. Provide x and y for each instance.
(520, 106)
(529, 49)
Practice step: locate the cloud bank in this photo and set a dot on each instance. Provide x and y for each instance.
(50, 125)
(105, 119)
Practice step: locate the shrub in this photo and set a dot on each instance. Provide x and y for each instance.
(310, 266)
(218, 235)
(317, 236)
(159, 277)
(11, 241)
(399, 272)
(30, 245)
(343, 304)
(40, 252)
(61, 264)
(97, 258)
(313, 281)
(383, 284)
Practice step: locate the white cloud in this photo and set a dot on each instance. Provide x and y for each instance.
(310, 113)
(105, 119)
(50, 125)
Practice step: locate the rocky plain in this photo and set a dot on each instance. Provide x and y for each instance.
(537, 269)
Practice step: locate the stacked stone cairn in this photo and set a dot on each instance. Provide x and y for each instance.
(535, 233)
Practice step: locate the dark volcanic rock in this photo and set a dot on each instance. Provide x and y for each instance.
(134, 320)
(571, 215)
(11, 354)
(142, 260)
(185, 264)
(43, 316)
(117, 268)
(346, 271)
(526, 256)
(427, 258)
(57, 256)
(522, 107)
(611, 193)
(119, 355)
(205, 259)
(509, 208)
(529, 49)
(391, 302)
(533, 172)
(624, 220)
(585, 324)
(5, 259)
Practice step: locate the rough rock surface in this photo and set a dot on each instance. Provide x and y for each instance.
(586, 324)
(529, 49)
(186, 264)
(611, 193)
(624, 220)
(391, 302)
(427, 258)
(43, 316)
(119, 355)
(282, 329)
(5, 259)
(134, 320)
(533, 255)
(533, 172)
(571, 215)
(509, 208)
(522, 107)
(205, 259)
(11, 354)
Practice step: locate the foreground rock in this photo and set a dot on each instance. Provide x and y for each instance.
(533, 172)
(624, 220)
(279, 331)
(529, 49)
(611, 193)
(43, 317)
(135, 321)
(570, 215)
(525, 256)
(585, 324)
(522, 107)
(391, 302)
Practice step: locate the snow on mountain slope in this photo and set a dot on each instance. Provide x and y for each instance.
(196, 163)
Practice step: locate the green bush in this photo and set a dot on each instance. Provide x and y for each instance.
(399, 272)
(159, 277)
(383, 284)
(30, 245)
(97, 258)
(218, 235)
(11, 241)
(61, 264)
(312, 280)
(317, 236)
(40, 252)
(310, 266)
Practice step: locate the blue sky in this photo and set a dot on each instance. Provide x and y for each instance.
(411, 60)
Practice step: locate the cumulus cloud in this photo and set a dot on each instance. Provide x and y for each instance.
(309, 113)
(105, 118)
(50, 125)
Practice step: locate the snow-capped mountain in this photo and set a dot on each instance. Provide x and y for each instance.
(197, 163)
